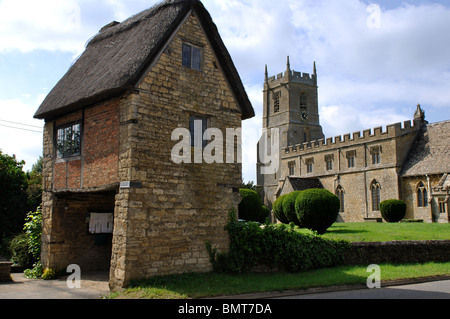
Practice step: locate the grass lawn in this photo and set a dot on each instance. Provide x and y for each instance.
(387, 231)
(213, 284)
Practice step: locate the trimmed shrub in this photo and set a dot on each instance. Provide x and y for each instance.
(393, 210)
(317, 209)
(250, 207)
(276, 246)
(289, 208)
(277, 208)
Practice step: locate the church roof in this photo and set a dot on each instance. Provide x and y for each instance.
(300, 184)
(118, 56)
(430, 154)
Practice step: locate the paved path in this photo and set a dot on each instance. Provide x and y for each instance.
(427, 290)
(93, 286)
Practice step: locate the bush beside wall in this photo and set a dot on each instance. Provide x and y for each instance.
(276, 247)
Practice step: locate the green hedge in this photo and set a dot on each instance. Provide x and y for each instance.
(393, 210)
(276, 246)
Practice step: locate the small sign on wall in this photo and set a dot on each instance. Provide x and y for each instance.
(101, 223)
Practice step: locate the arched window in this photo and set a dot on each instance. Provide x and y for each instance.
(340, 195)
(422, 195)
(376, 198)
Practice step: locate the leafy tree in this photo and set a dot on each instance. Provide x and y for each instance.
(34, 181)
(13, 196)
(248, 185)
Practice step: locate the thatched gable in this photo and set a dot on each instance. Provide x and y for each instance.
(118, 56)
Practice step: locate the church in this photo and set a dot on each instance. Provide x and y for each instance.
(408, 161)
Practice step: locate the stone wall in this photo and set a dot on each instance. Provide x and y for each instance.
(367, 253)
(164, 219)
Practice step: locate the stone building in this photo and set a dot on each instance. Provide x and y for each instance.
(114, 196)
(408, 161)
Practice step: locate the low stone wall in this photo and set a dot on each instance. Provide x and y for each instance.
(367, 253)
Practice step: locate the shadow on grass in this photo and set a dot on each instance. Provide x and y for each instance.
(215, 284)
(336, 229)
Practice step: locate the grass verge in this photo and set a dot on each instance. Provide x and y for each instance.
(213, 284)
(386, 231)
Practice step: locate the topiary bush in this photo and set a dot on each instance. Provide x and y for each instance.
(393, 210)
(289, 208)
(251, 207)
(317, 209)
(277, 208)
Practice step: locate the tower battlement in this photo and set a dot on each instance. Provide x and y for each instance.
(366, 136)
(292, 76)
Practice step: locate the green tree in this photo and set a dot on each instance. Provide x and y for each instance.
(13, 196)
(34, 188)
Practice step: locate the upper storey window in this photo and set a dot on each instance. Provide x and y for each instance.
(192, 57)
(68, 141)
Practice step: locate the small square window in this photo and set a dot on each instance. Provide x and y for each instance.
(192, 57)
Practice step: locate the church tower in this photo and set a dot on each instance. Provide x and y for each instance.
(291, 105)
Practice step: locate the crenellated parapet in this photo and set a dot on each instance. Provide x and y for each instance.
(371, 135)
(292, 76)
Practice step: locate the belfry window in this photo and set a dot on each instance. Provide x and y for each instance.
(303, 101)
(276, 102)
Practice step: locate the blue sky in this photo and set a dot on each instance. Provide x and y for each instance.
(373, 69)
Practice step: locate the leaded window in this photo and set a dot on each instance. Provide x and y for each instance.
(68, 141)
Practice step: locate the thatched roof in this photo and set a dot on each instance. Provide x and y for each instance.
(116, 58)
(430, 154)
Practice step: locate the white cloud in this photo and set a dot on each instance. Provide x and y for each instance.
(367, 76)
(28, 25)
(20, 134)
